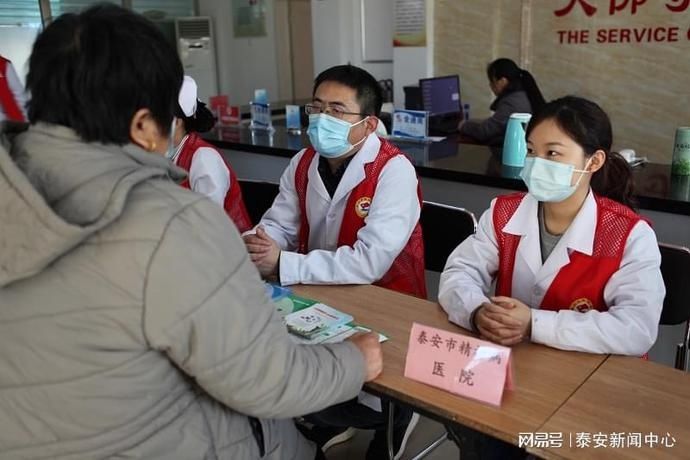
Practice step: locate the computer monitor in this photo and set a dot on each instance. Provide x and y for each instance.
(441, 95)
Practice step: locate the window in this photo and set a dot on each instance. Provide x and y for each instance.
(58, 7)
(19, 13)
(20, 21)
(157, 10)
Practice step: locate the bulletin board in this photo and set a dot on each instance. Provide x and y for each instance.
(377, 30)
(249, 18)
(410, 23)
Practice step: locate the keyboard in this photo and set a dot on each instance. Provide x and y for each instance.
(444, 125)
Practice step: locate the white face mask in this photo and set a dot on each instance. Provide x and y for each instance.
(549, 180)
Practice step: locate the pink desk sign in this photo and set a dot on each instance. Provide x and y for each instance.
(225, 113)
(460, 364)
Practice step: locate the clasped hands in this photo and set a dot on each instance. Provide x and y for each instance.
(504, 320)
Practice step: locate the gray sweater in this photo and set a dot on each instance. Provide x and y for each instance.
(132, 322)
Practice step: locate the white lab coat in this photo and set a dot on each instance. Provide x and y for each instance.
(393, 214)
(208, 173)
(16, 89)
(634, 294)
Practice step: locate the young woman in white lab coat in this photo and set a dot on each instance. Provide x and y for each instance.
(575, 268)
(209, 173)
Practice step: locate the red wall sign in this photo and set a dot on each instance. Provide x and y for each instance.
(658, 33)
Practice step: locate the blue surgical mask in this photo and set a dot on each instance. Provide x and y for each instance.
(170, 153)
(549, 180)
(329, 135)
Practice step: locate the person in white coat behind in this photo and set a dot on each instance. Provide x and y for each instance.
(208, 172)
(575, 268)
(12, 94)
(347, 213)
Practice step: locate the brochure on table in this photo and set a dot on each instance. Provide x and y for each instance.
(312, 322)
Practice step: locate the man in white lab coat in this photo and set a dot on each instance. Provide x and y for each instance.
(347, 213)
(12, 96)
(348, 208)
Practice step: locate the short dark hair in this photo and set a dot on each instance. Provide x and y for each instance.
(92, 71)
(590, 127)
(369, 94)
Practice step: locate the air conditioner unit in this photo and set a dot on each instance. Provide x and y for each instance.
(196, 46)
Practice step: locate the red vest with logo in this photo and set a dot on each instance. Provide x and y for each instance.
(9, 105)
(580, 284)
(234, 205)
(406, 275)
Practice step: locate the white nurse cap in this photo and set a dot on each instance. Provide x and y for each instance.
(187, 98)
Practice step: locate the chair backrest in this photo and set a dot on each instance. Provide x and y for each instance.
(675, 268)
(386, 89)
(444, 228)
(258, 197)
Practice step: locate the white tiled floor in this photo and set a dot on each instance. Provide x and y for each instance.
(425, 432)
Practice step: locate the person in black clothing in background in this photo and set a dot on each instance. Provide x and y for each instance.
(516, 92)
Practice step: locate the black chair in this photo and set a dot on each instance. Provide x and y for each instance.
(386, 89)
(675, 268)
(444, 228)
(258, 197)
(387, 120)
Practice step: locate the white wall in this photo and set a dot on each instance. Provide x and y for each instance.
(248, 63)
(337, 35)
(244, 64)
(16, 44)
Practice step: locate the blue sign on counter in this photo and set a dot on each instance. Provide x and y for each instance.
(292, 119)
(260, 116)
(413, 124)
(261, 96)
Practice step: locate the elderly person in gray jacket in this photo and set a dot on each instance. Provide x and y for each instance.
(516, 91)
(132, 322)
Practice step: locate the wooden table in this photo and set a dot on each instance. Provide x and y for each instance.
(545, 378)
(625, 395)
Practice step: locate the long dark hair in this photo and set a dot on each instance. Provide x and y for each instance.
(202, 120)
(587, 124)
(518, 80)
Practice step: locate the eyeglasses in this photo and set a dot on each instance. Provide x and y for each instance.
(333, 110)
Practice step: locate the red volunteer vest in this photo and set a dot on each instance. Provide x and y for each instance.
(9, 104)
(406, 275)
(580, 284)
(233, 204)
